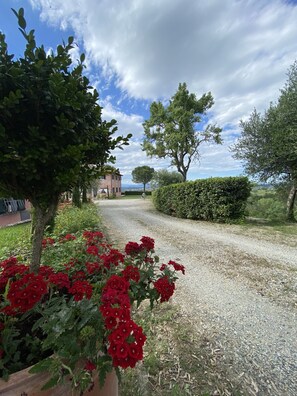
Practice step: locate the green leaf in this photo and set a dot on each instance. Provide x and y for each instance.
(22, 22)
(82, 58)
(21, 12)
(41, 366)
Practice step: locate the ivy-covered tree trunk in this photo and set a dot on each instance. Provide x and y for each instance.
(41, 218)
(291, 203)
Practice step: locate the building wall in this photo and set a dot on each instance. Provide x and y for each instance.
(111, 184)
(13, 214)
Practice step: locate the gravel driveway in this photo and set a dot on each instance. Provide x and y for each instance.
(240, 286)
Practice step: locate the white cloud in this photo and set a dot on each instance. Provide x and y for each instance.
(239, 50)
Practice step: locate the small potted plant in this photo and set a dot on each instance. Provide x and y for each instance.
(73, 319)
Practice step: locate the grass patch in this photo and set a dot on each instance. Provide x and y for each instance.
(178, 360)
(15, 240)
(71, 219)
(271, 226)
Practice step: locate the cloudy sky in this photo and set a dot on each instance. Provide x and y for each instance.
(138, 51)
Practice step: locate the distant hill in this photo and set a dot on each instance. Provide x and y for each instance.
(134, 187)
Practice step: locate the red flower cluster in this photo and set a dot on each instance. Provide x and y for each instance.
(93, 250)
(47, 241)
(147, 243)
(68, 237)
(126, 338)
(93, 237)
(113, 257)
(165, 288)
(24, 293)
(60, 279)
(131, 273)
(133, 248)
(81, 289)
(177, 267)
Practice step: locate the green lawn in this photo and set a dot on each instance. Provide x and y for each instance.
(15, 240)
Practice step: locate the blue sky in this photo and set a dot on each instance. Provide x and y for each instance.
(138, 51)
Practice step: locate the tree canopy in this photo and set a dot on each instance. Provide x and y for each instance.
(51, 130)
(173, 132)
(142, 174)
(268, 141)
(163, 177)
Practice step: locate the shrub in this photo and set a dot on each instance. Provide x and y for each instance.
(214, 199)
(71, 219)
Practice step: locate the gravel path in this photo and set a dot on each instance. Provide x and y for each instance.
(242, 289)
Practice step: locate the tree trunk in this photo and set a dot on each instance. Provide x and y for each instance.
(84, 195)
(42, 216)
(291, 202)
(144, 187)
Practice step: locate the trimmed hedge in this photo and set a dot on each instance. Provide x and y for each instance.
(215, 199)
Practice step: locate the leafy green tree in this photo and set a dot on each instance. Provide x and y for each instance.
(51, 129)
(163, 177)
(172, 131)
(268, 142)
(142, 174)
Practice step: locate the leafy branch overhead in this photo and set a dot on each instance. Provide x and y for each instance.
(51, 130)
(173, 132)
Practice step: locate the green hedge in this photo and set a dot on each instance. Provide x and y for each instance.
(215, 199)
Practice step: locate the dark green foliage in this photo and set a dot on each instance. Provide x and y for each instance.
(215, 199)
(52, 135)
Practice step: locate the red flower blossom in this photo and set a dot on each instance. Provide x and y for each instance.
(113, 257)
(67, 237)
(93, 267)
(93, 250)
(131, 273)
(59, 279)
(177, 267)
(164, 288)
(23, 294)
(81, 289)
(117, 283)
(89, 366)
(147, 243)
(133, 248)
(47, 242)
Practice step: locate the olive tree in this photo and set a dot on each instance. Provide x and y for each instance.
(267, 145)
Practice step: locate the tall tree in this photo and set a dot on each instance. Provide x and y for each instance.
(173, 132)
(268, 142)
(51, 129)
(142, 174)
(163, 177)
